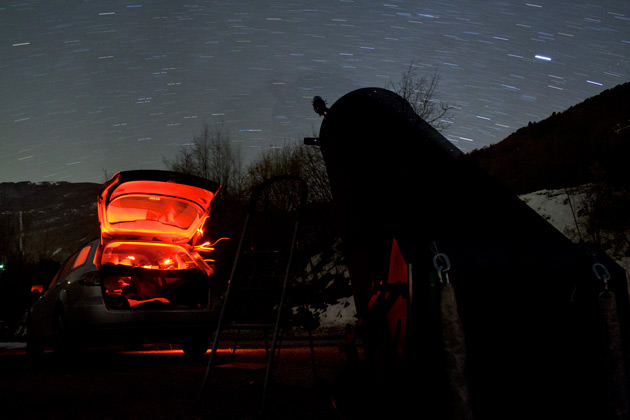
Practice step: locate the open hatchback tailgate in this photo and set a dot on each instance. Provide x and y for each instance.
(154, 205)
(150, 223)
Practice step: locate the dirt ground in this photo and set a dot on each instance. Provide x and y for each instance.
(159, 383)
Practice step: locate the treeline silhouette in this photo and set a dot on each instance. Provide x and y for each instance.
(587, 143)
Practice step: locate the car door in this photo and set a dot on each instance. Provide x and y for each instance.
(42, 313)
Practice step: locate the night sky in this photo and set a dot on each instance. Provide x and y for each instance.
(89, 88)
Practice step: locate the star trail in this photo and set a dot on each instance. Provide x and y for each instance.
(94, 87)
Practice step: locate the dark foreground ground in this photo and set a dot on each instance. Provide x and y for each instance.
(159, 383)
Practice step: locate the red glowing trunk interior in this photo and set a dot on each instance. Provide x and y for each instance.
(151, 225)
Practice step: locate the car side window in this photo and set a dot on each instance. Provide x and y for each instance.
(81, 257)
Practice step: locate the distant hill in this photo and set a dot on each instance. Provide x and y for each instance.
(589, 142)
(46, 220)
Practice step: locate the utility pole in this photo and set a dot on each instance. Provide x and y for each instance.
(21, 237)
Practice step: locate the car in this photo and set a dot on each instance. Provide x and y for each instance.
(148, 278)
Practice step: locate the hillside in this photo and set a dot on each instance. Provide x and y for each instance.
(571, 211)
(587, 143)
(571, 168)
(46, 220)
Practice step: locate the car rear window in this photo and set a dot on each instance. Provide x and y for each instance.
(167, 210)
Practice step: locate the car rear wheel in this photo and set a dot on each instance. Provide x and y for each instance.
(63, 343)
(34, 348)
(194, 350)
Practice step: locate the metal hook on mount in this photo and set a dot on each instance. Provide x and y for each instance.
(442, 264)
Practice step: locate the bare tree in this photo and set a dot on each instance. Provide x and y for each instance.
(421, 92)
(211, 155)
(305, 162)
